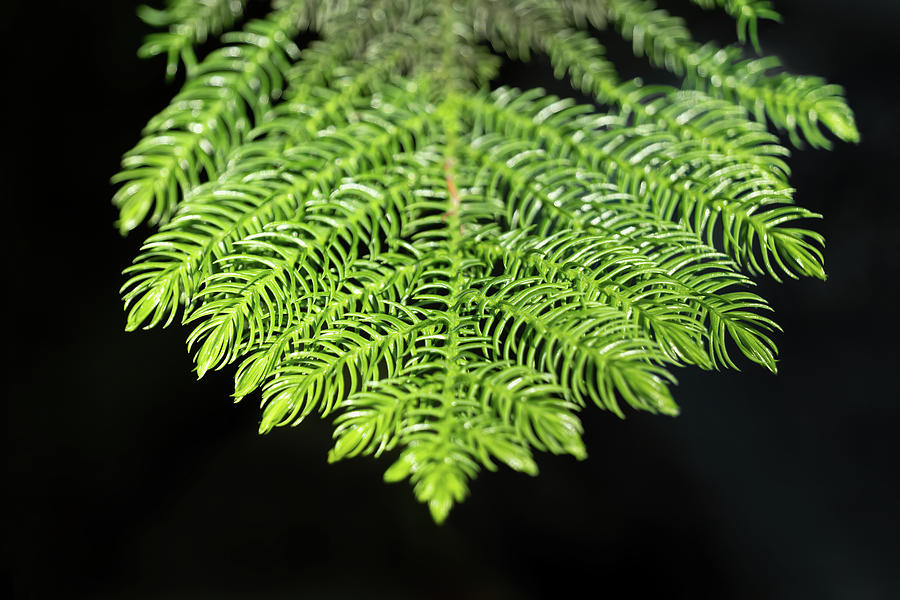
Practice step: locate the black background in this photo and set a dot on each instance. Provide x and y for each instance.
(128, 478)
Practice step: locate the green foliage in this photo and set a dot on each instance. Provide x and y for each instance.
(190, 22)
(746, 13)
(368, 232)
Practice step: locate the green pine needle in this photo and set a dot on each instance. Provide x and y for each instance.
(368, 233)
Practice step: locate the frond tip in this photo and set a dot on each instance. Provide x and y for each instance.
(369, 233)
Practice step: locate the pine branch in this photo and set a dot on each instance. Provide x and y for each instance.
(168, 271)
(795, 104)
(190, 22)
(747, 13)
(722, 194)
(188, 141)
(369, 234)
(721, 125)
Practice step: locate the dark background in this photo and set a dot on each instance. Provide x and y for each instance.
(128, 478)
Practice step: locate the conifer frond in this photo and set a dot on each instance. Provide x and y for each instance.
(188, 141)
(722, 125)
(487, 412)
(189, 23)
(264, 186)
(368, 233)
(747, 13)
(709, 193)
(795, 104)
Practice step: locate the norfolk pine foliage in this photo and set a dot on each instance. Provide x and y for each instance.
(451, 273)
